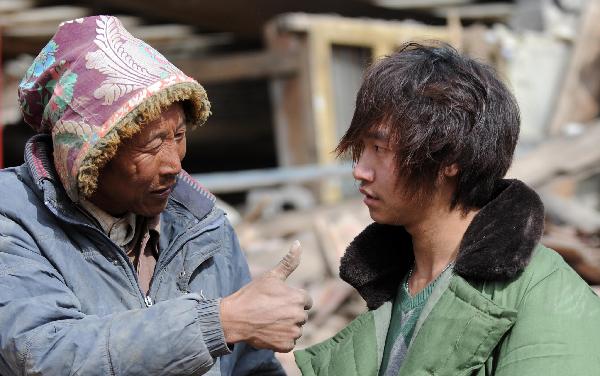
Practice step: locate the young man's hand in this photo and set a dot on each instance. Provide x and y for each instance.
(266, 313)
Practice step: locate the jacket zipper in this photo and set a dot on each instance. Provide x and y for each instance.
(146, 299)
(182, 239)
(118, 249)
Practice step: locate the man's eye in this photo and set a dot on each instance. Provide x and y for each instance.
(379, 149)
(154, 144)
(179, 136)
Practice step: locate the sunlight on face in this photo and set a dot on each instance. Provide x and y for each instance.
(141, 176)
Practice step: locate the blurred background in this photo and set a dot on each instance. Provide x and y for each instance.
(282, 78)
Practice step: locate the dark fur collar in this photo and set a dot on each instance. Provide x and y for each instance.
(496, 246)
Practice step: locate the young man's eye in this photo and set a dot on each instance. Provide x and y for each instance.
(379, 148)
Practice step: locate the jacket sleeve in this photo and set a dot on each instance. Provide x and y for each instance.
(557, 331)
(245, 359)
(44, 331)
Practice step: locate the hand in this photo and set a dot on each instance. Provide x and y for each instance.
(266, 313)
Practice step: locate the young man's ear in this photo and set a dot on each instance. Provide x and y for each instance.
(450, 170)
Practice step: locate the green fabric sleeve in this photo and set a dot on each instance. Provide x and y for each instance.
(557, 331)
(351, 352)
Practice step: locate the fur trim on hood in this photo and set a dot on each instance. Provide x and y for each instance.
(497, 246)
(94, 85)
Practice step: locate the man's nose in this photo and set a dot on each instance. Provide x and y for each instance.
(362, 172)
(171, 163)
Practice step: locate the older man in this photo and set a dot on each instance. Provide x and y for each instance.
(113, 261)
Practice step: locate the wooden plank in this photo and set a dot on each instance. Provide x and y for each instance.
(563, 155)
(162, 31)
(416, 4)
(12, 6)
(292, 101)
(360, 32)
(245, 19)
(28, 32)
(247, 65)
(237, 181)
(578, 99)
(381, 49)
(179, 39)
(47, 16)
(571, 212)
(489, 11)
(319, 52)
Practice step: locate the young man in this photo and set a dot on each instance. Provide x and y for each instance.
(452, 269)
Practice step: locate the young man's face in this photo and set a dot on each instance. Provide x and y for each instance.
(377, 172)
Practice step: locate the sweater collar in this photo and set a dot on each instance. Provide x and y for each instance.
(496, 246)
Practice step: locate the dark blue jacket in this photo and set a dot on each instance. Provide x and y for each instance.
(70, 302)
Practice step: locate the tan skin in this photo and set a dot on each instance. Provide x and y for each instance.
(265, 313)
(140, 177)
(436, 230)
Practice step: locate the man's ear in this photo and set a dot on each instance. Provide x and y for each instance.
(450, 170)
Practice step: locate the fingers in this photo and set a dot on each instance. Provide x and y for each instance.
(289, 345)
(303, 320)
(289, 263)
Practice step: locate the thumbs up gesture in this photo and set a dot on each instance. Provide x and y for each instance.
(266, 313)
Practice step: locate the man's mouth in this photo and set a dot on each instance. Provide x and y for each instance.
(368, 195)
(165, 191)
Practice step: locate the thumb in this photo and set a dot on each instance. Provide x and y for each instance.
(288, 263)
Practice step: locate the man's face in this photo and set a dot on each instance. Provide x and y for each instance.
(141, 176)
(377, 172)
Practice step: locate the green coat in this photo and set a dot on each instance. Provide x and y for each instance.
(541, 319)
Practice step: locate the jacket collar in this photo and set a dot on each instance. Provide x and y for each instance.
(37, 151)
(496, 246)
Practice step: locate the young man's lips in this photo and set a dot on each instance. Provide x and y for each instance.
(368, 195)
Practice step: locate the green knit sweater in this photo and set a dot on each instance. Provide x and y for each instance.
(405, 313)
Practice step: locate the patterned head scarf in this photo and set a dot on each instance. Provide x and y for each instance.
(94, 85)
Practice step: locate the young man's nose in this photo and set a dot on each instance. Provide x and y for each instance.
(362, 172)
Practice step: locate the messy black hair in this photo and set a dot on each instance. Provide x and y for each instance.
(438, 108)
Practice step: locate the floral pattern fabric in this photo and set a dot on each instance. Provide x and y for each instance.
(89, 76)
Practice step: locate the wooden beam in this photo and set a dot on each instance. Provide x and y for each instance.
(579, 96)
(43, 16)
(488, 11)
(416, 4)
(238, 181)
(247, 65)
(292, 101)
(11, 6)
(245, 19)
(564, 155)
(571, 212)
(179, 40)
(359, 32)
